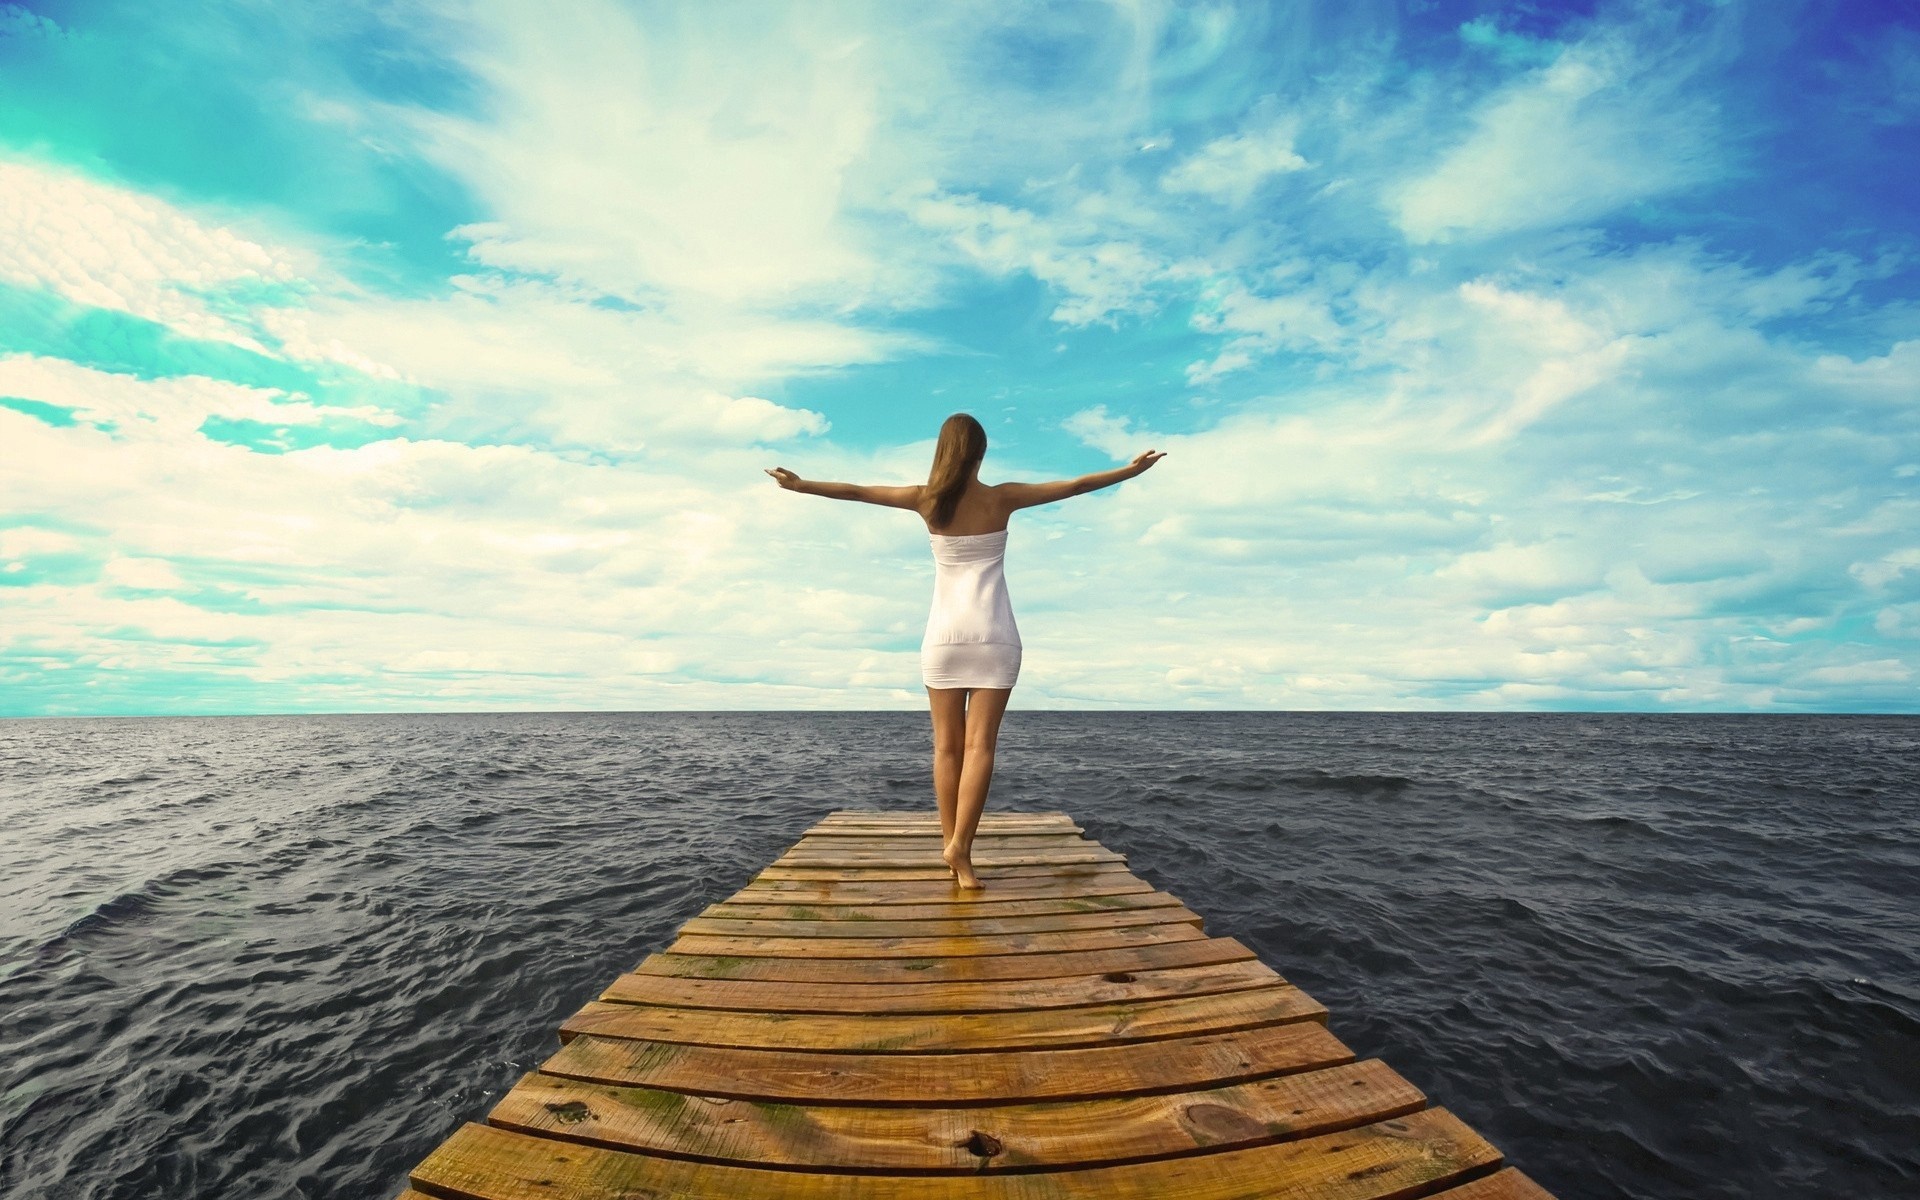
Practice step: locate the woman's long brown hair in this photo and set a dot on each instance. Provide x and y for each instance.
(962, 444)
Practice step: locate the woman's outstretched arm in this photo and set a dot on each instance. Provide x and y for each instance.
(1026, 495)
(906, 496)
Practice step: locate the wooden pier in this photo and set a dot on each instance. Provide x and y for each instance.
(852, 1024)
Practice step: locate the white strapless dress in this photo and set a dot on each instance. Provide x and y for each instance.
(971, 640)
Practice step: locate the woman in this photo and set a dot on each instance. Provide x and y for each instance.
(970, 655)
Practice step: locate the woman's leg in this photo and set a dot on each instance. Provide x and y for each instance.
(984, 709)
(949, 741)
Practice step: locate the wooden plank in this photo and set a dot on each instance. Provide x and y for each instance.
(931, 827)
(1194, 953)
(934, 834)
(990, 874)
(986, 857)
(1033, 843)
(988, 1077)
(930, 1080)
(1508, 1183)
(958, 927)
(931, 832)
(961, 1033)
(1070, 991)
(956, 1140)
(952, 909)
(1391, 1158)
(927, 812)
(932, 844)
(941, 890)
(999, 816)
(1039, 835)
(934, 947)
(1002, 847)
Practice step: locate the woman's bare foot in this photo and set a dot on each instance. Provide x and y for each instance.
(961, 864)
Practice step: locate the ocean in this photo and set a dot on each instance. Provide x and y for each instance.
(1646, 956)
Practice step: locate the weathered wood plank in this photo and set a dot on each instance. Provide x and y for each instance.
(999, 816)
(989, 1077)
(931, 842)
(934, 832)
(955, 1140)
(1194, 953)
(925, 947)
(991, 875)
(1114, 987)
(931, 828)
(1384, 1159)
(833, 931)
(1508, 1183)
(961, 1033)
(941, 890)
(982, 857)
(951, 910)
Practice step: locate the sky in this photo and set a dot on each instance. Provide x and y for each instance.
(424, 355)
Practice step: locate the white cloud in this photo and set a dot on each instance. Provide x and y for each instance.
(539, 359)
(1879, 670)
(1504, 570)
(178, 405)
(1888, 568)
(108, 247)
(144, 574)
(751, 419)
(706, 164)
(1103, 431)
(1098, 274)
(27, 540)
(1300, 318)
(1570, 355)
(1602, 126)
(1231, 168)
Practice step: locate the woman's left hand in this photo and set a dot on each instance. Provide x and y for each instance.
(785, 478)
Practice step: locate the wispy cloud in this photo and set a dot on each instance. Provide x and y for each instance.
(1609, 121)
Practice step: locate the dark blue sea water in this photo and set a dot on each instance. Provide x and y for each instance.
(1646, 956)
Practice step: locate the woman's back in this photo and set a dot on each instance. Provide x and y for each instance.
(980, 510)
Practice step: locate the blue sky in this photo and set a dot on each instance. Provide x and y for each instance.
(425, 355)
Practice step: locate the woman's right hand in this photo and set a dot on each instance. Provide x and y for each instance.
(1146, 460)
(785, 478)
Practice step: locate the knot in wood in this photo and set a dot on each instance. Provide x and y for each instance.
(982, 1145)
(1118, 977)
